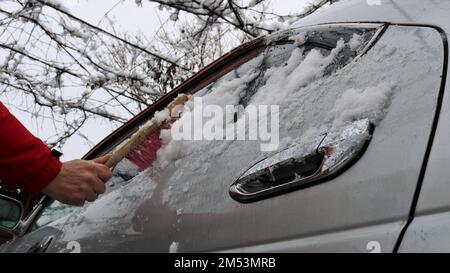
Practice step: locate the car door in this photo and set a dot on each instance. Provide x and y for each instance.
(427, 228)
(322, 79)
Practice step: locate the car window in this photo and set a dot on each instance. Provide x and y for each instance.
(324, 49)
(292, 49)
(53, 212)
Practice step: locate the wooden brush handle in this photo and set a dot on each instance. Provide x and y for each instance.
(141, 135)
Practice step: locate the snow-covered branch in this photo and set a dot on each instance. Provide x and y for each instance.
(71, 71)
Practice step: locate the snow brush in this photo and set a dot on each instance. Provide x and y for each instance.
(141, 148)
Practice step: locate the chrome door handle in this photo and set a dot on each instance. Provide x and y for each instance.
(41, 246)
(303, 165)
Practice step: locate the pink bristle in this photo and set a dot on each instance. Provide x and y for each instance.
(146, 153)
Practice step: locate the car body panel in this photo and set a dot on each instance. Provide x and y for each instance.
(371, 239)
(429, 231)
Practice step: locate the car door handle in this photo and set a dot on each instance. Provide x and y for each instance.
(303, 164)
(41, 246)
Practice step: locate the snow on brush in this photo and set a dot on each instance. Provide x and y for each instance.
(161, 116)
(170, 151)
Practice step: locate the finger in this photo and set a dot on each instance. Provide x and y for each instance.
(103, 172)
(75, 201)
(98, 186)
(80, 203)
(95, 184)
(91, 196)
(102, 159)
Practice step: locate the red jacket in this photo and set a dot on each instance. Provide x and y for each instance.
(25, 161)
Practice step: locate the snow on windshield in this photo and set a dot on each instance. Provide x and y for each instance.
(284, 83)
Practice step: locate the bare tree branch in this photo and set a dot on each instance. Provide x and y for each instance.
(72, 71)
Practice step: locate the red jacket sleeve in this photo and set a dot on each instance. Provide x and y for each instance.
(25, 161)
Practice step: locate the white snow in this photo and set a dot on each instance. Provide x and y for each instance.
(76, 31)
(166, 195)
(174, 15)
(355, 104)
(147, 89)
(297, 74)
(169, 152)
(161, 116)
(355, 41)
(252, 3)
(174, 246)
(299, 39)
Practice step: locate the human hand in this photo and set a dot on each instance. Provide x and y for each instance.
(79, 181)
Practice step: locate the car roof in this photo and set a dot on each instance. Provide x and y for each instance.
(429, 12)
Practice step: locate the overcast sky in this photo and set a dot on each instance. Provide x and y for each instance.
(128, 17)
